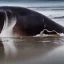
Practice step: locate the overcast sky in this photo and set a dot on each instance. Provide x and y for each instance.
(32, 3)
(27, 0)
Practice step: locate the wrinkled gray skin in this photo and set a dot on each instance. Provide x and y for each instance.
(29, 22)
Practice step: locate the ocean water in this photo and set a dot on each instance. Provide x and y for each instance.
(35, 50)
(54, 13)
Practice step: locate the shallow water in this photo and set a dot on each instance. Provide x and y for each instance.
(32, 50)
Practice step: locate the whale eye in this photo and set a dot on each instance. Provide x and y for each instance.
(2, 18)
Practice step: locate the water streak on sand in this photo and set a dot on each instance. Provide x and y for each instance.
(8, 43)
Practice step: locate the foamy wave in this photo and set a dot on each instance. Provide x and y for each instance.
(46, 35)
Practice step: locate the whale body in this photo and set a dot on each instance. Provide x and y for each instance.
(28, 22)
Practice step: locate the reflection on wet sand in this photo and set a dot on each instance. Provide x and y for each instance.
(1, 52)
(30, 49)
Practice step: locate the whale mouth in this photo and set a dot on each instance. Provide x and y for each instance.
(46, 32)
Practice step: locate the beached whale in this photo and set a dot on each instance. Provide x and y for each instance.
(28, 22)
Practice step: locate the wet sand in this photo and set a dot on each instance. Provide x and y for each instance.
(33, 50)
